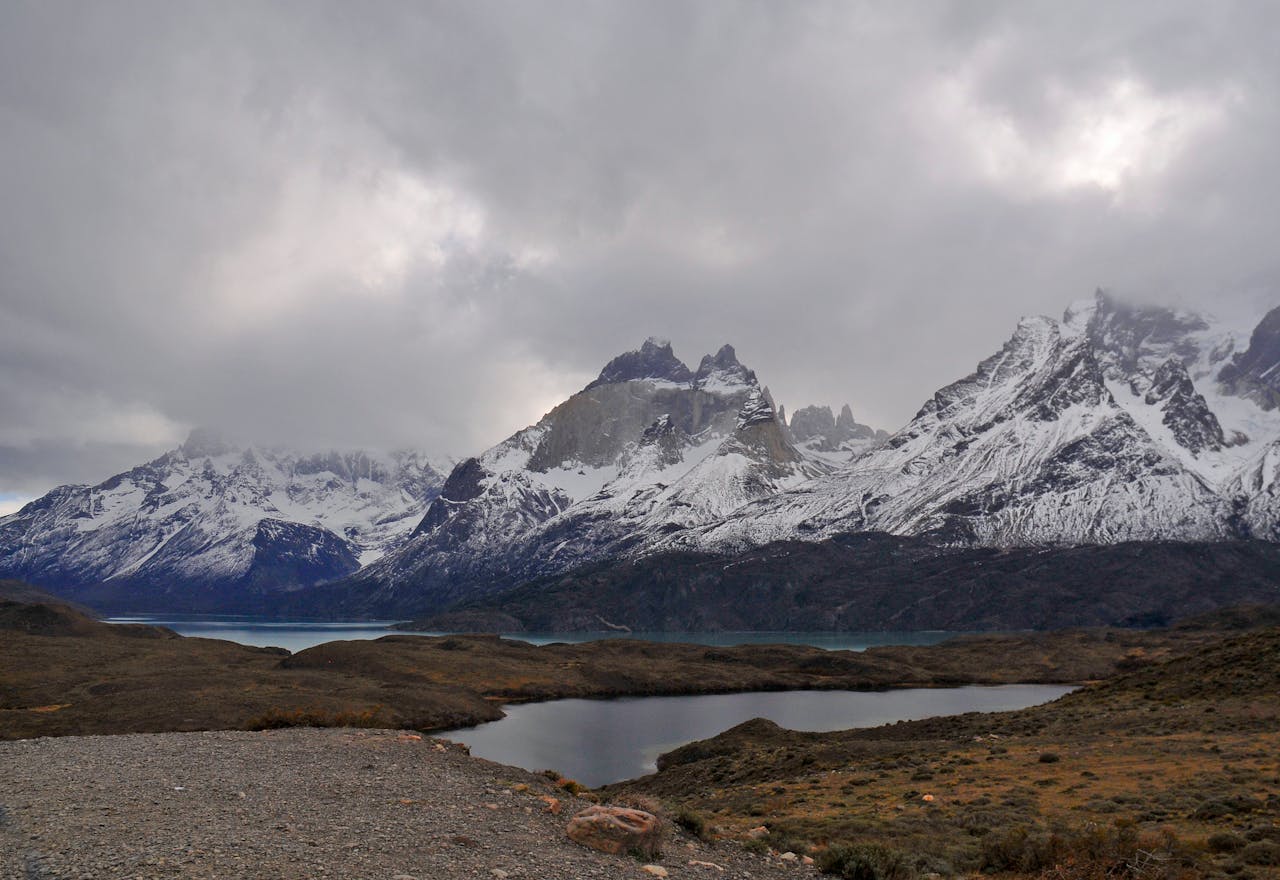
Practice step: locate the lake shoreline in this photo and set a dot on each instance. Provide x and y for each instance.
(66, 673)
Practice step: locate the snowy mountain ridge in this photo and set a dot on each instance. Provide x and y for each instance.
(215, 513)
(1116, 423)
(1110, 425)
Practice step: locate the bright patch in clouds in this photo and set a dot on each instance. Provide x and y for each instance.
(360, 234)
(1125, 131)
(1107, 139)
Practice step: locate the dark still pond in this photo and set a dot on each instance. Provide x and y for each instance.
(601, 741)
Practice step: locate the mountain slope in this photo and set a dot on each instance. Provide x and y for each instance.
(210, 520)
(873, 581)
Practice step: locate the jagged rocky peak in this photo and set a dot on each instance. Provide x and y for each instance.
(979, 396)
(816, 428)
(722, 371)
(1255, 372)
(653, 360)
(832, 438)
(813, 421)
(596, 426)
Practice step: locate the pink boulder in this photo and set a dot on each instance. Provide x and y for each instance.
(617, 830)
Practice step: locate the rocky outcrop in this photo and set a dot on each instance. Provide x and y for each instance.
(1184, 411)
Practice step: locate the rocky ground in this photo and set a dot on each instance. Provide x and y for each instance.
(340, 803)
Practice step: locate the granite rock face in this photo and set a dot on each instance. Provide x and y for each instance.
(653, 360)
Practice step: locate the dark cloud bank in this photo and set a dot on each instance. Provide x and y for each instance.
(423, 224)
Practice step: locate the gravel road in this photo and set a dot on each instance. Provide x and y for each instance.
(301, 804)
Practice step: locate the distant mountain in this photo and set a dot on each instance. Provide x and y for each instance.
(648, 447)
(836, 439)
(211, 525)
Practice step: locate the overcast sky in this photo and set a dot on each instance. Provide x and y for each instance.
(415, 224)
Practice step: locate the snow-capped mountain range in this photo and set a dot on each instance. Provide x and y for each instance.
(212, 517)
(1116, 423)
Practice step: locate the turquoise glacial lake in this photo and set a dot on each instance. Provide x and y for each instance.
(297, 635)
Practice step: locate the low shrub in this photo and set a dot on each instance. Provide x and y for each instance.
(1263, 832)
(573, 786)
(639, 802)
(277, 719)
(1261, 852)
(1086, 853)
(1219, 808)
(1225, 842)
(693, 822)
(865, 861)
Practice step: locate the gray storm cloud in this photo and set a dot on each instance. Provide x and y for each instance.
(409, 224)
